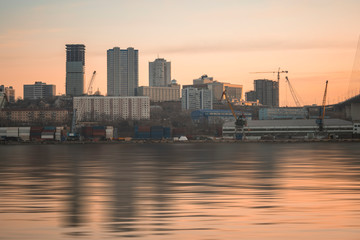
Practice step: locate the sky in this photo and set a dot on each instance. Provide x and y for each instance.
(226, 39)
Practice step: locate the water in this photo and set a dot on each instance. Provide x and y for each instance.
(180, 191)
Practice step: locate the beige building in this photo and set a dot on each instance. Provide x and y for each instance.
(97, 108)
(160, 94)
(234, 91)
(55, 116)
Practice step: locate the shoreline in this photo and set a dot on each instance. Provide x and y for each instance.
(230, 141)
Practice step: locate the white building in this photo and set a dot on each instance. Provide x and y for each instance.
(196, 99)
(159, 73)
(122, 72)
(39, 90)
(75, 69)
(160, 94)
(96, 108)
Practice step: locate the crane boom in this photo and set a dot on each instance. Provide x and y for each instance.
(228, 101)
(293, 93)
(91, 82)
(273, 72)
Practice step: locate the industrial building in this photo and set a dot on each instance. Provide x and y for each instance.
(266, 91)
(215, 115)
(160, 94)
(159, 73)
(282, 113)
(97, 108)
(196, 99)
(39, 90)
(122, 71)
(75, 69)
(285, 129)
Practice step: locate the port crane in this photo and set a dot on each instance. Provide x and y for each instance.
(73, 134)
(293, 93)
(240, 121)
(320, 119)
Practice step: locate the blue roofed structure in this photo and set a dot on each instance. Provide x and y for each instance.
(215, 115)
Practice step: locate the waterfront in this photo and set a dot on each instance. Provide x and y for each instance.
(180, 191)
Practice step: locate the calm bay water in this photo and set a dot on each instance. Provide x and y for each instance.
(180, 191)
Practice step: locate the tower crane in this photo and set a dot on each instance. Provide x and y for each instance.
(278, 74)
(240, 121)
(320, 119)
(293, 93)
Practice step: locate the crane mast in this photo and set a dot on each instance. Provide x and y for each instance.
(320, 120)
(240, 121)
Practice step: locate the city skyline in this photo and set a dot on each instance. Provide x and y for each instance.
(315, 42)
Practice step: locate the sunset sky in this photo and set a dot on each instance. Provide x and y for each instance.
(226, 39)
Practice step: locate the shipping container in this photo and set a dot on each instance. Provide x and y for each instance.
(167, 133)
(178, 132)
(12, 132)
(49, 128)
(99, 127)
(143, 128)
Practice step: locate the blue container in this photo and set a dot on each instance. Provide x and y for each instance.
(50, 128)
(239, 136)
(98, 127)
(156, 128)
(167, 132)
(142, 135)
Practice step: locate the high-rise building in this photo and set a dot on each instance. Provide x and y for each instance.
(122, 72)
(159, 73)
(196, 99)
(75, 69)
(39, 90)
(267, 92)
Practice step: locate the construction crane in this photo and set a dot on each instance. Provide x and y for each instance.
(293, 93)
(3, 100)
(240, 121)
(320, 119)
(278, 74)
(89, 90)
(73, 134)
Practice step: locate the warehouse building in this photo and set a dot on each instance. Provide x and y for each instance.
(215, 115)
(285, 129)
(282, 113)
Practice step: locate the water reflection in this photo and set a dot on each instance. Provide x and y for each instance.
(180, 191)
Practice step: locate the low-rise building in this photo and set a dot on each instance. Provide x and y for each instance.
(282, 113)
(39, 90)
(98, 108)
(9, 92)
(28, 116)
(300, 128)
(216, 115)
(160, 94)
